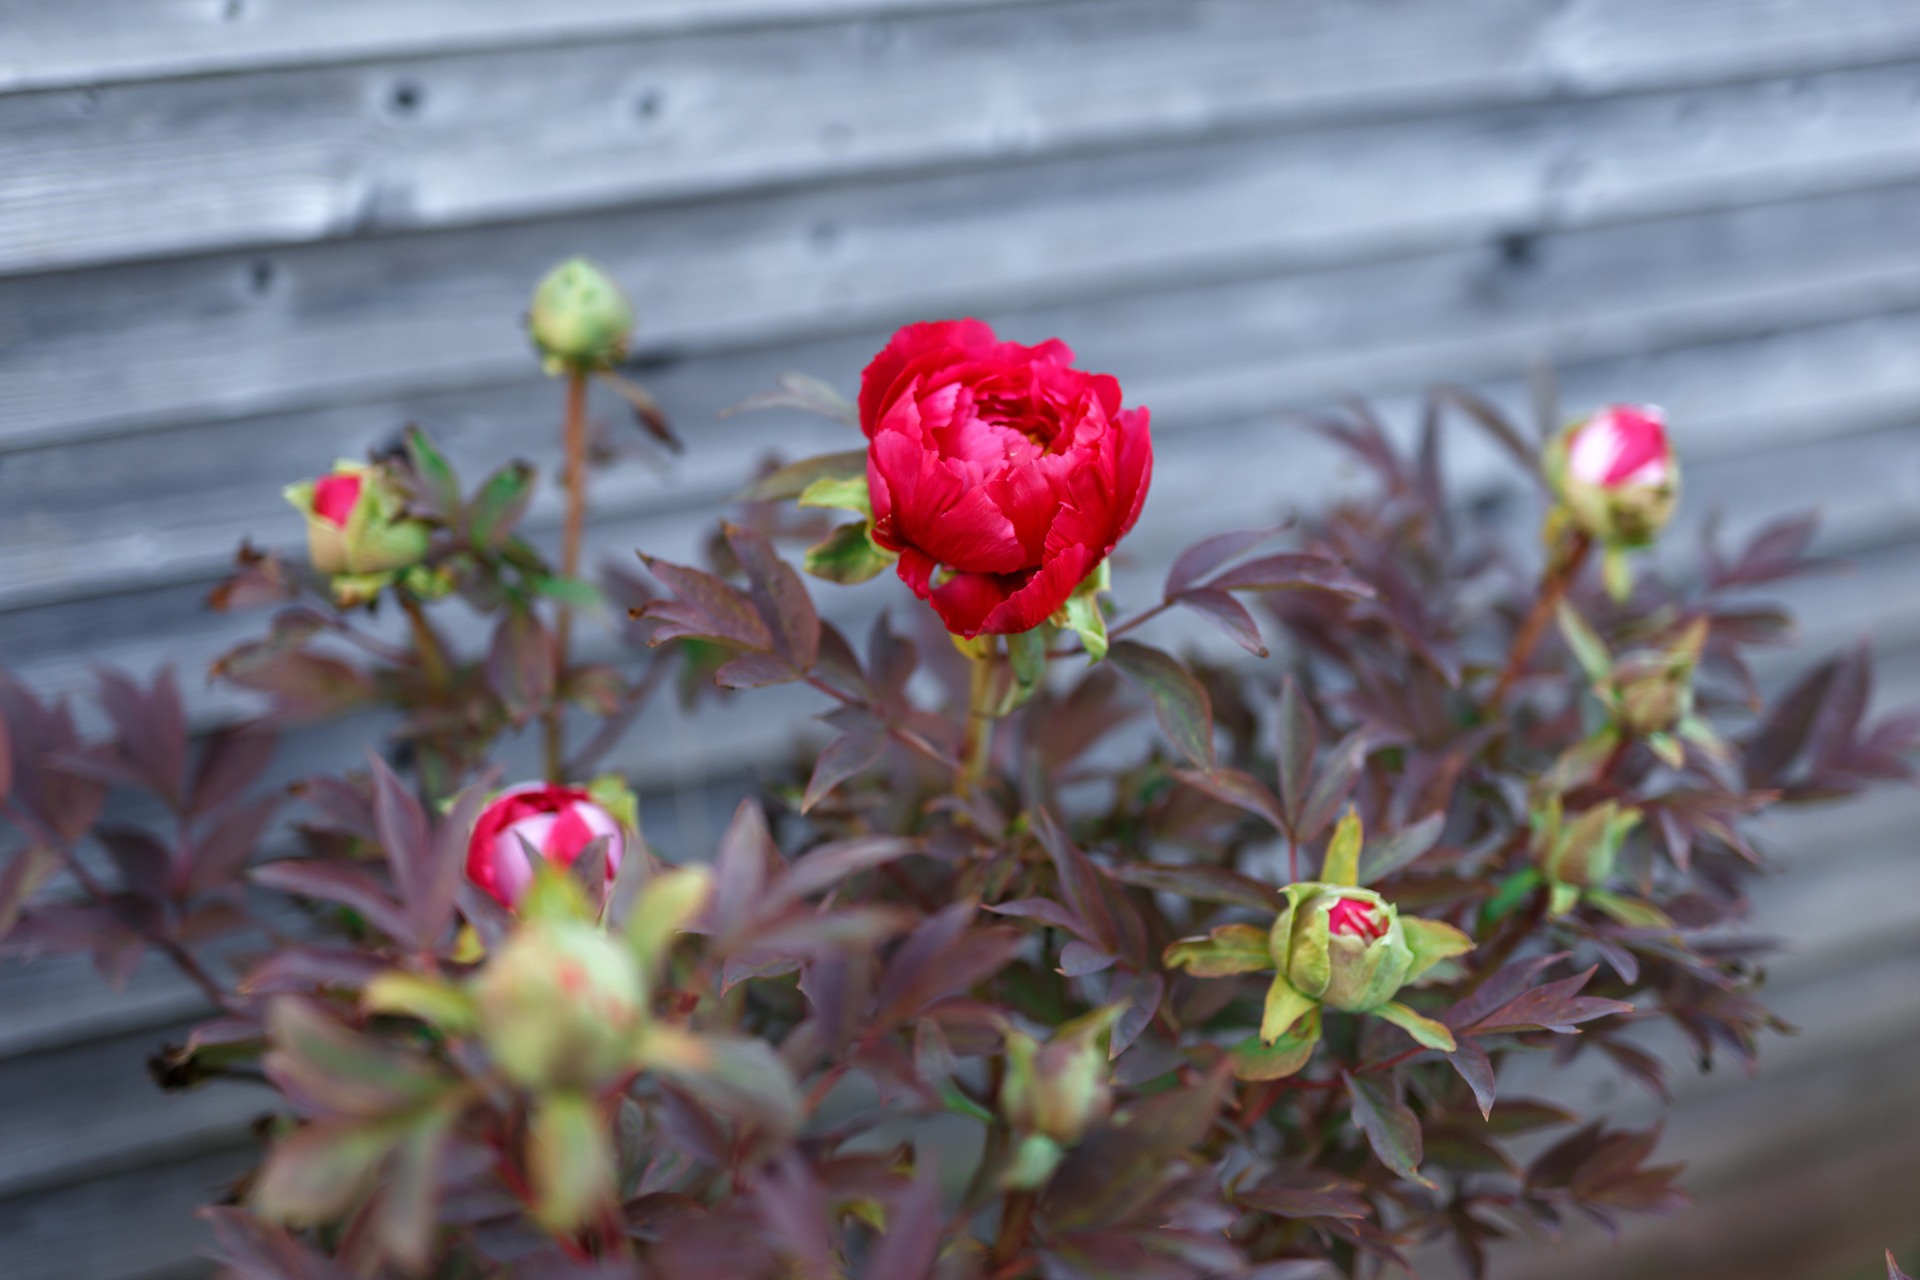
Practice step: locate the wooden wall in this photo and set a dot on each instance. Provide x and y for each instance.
(241, 237)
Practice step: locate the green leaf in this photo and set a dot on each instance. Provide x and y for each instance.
(341, 1069)
(1342, 864)
(1588, 649)
(441, 486)
(570, 1158)
(1179, 701)
(581, 595)
(1254, 1059)
(497, 508)
(847, 556)
(1229, 949)
(805, 393)
(839, 493)
(668, 902)
(408, 1212)
(1511, 893)
(1434, 1035)
(1635, 913)
(792, 480)
(320, 1171)
(438, 1004)
(1392, 1130)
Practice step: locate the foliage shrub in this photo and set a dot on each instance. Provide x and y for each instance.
(1064, 957)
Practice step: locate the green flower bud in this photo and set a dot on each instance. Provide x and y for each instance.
(1651, 691)
(358, 532)
(560, 1004)
(1341, 946)
(1580, 853)
(1616, 474)
(580, 319)
(1059, 1089)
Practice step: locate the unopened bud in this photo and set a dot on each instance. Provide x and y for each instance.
(579, 319)
(358, 532)
(1616, 474)
(559, 1005)
(1060, 1089)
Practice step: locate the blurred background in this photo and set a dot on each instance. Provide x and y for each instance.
(239, 238)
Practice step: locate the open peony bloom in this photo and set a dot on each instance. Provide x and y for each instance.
(1001, 475)
(557, 822)
(1623, 444)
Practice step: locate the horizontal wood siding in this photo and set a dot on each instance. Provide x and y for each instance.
(239, 238)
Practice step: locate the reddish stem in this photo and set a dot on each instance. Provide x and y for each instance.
(1559, 575)
(553, 722)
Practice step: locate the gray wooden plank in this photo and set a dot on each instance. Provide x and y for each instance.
(90, 1110)
(1197, 356)
(107, 41)
(230, 334)
(137, 1225)
(289, 157)
(60, 1000)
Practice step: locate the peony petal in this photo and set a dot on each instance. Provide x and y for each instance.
(967, 602)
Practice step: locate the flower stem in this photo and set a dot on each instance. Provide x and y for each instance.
(977, 743)
(1561, 570)
(426, 644)
(553, 723)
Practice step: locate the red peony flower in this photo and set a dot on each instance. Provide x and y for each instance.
(1000, 474)
(558, 822)
(334, 497)
(1355, 919)
(1623, 444)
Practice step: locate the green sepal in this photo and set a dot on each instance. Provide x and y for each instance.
(953, 1100)
(1702, 734)
(1564, 898)
(1229, 949)
(1616, 571)
(1434, 1035)
(666, 904)
(553, 895)
(1034, 1161)
(611, 792)
(1431, 941)
(1284, 1007)
(838, 493)
(848, 555)
(1027, 651)
(1342, 864)
(1081, 614)
(570, 1159)
(1255, 1060)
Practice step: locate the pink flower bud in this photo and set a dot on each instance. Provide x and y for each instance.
(1620, 446)
(334, 497)
(556, 822)
(1356, 919)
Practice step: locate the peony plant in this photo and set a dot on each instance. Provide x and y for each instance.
(1064, 956)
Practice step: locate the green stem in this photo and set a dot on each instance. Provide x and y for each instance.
(977, 742)
(553, 723)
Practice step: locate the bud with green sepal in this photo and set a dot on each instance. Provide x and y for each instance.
(1334, 945)
(1054, 1092)
(1576, 857)
(1081, 613)
(580, 320)
(1646, 693)
(360, 535)
(1617, 479)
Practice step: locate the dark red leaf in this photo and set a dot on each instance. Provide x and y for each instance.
(1079, 882)
(1287, 572)
(1307, 1193)
(705, 607)
(520, 665)
(219, 855)
(145, 865)
(152, 727)
(1208, 554)
(861, 744)
(1201, 883)
(1299, 743)
(230, 760)
(740, 869)
(1241, 790)
(1226, 613)
(1179, 701)
(1332, 784)
(338, 882)
(779, 595)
